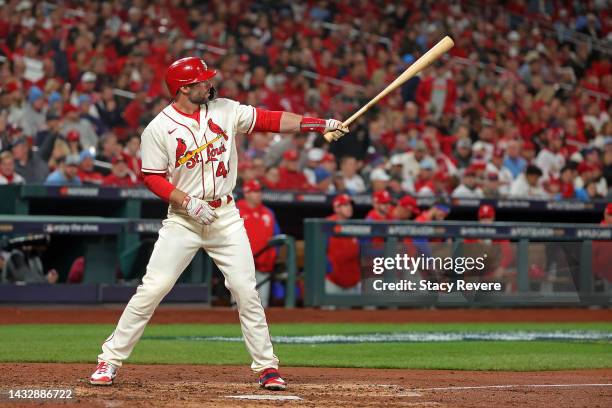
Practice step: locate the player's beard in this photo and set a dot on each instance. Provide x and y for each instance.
(202, 99)
(198, 99)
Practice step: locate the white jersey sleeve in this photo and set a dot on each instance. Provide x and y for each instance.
(153, 152)
(245, 119)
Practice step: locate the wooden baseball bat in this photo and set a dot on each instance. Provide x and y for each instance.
(426, 59)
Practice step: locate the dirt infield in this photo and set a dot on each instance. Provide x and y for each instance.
(207, 386)
(194, 314)
(214, 386)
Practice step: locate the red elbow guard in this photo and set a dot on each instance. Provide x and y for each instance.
(158, 185)
(267, 121)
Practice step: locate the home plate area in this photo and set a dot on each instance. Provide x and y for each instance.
(235, 386)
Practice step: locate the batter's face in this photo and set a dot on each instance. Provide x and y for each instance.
(199, 92)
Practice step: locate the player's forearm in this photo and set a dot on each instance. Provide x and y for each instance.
(287, 122)
(293, 123)
(290, 122)
(162, 188)
(177, 197)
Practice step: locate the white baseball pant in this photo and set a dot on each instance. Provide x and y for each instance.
(180, 238)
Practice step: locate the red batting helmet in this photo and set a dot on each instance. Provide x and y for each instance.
(187, 71)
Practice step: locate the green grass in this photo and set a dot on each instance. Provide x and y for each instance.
(81, 343)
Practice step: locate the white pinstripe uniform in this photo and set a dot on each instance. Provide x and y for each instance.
(209, 175)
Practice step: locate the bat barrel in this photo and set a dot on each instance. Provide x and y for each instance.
(423, 62)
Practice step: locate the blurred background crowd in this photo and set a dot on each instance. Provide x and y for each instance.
(521, 107)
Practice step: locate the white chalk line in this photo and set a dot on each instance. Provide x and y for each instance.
(482, 387)
(417, 337)
(274, 397)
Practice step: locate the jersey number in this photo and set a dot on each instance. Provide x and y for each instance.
(221, 170)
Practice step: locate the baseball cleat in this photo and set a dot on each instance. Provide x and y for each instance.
(270, 379)
(104, 374)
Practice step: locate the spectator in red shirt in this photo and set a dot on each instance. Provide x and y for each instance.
(272, 178)
(382, 211)
(73, 138)
(424, 184)
(120, 174)
(437, 93)
(528, 152)
(500, 255)
(381, 201)
(343, 266)
(86, 171)
(261, 226)
(134, 110)
(406, 209)
(290, 177)
(131, 154)
(607, 218)
(7, 170)
(602, 250)
(436, 213)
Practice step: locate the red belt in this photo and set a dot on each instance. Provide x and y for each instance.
(217, 203)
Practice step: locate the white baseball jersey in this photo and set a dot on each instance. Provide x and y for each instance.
(200, 159)
(170, 140)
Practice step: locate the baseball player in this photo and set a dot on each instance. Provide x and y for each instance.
(344, 272)
(189, 159)
(381, 201)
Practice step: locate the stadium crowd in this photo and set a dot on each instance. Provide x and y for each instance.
(521, 107)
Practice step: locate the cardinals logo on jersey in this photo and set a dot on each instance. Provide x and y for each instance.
(216, 129)
(181, 149)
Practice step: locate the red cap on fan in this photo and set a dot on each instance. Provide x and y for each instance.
(409, 202)
(381, 197)
(470, 171)
(486, 211)
(290, 155)
(251, 185)
(328, 157)
(12, 86)
(73, 136)
(68, 108)
(342, 199)
(583, 167)
(441, 176)
(118, 159)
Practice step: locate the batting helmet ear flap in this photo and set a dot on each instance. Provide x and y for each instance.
(212, 92)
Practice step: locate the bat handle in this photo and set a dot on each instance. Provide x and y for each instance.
(329, 136)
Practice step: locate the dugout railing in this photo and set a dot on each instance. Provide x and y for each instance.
(110, 243)
(102, 243)
(553, 264)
